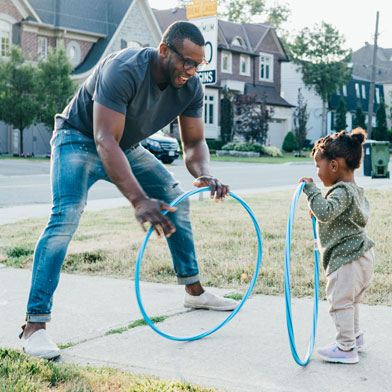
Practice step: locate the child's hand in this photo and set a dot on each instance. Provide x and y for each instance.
(311, 214)
(306, 179)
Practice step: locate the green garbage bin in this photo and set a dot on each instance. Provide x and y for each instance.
(376, 159)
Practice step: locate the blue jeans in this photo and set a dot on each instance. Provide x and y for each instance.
(75, 167)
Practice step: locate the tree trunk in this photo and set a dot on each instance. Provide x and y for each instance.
(324, 120)
(21, 141)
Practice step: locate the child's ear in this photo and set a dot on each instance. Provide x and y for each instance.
(334, 165)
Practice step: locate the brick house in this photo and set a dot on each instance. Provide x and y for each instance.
(249, 62)
(88, 30)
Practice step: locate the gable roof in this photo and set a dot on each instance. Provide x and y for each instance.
(250, 33)
(362, 61)
(101, 17)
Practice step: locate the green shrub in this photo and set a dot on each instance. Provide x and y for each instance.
(249, 147)
(390, 135)
(214, 144)
(289, 143)
(229, 146)
(272, 151)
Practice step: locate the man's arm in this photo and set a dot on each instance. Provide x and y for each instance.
(108, 130)
(197, 157)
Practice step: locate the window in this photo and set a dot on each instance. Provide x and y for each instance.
(42, 48)
(377, 95)
(5, 38)
(226, 62)
(238, 41)
(363, 91)
(266, 67)
(357, 93)
(345, 90)
(74, 53)
(209, 109)
(244, 65)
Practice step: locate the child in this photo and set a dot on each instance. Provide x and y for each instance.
(346, 250)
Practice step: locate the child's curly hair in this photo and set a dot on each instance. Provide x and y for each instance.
(342, 145)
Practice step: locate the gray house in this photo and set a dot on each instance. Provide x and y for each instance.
(362, 60)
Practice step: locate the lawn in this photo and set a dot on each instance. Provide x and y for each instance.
(287, 157)
(21, 373)
(107, 242)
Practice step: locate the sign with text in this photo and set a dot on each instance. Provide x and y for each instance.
(209, 28)
(201, 8)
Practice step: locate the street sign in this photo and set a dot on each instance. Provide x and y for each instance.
(210, 8)
(201, 8)
(209, 28)
(194, 11)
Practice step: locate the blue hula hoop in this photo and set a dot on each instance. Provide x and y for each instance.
(287, 291)
(239, 306)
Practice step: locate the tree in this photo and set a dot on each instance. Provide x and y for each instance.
(252, 118)
(289, 143)
(226, 117)
(323, 62)
(18, 98)
(54, 85)
(300, 119)
(360, 118)
(340, 120)
(381, 131)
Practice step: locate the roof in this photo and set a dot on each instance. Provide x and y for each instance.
(97, 17)
(250, 33)
(272, 96)
(362, 61)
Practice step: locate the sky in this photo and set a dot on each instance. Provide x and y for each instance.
(355, 19)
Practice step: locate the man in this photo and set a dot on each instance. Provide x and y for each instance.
(130, 95)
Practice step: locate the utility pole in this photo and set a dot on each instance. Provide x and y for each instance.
(372, 83)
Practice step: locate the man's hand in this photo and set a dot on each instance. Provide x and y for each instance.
(306, 179)
(218, 190)
(150, 210)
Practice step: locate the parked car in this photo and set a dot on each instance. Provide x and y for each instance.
(164, 147)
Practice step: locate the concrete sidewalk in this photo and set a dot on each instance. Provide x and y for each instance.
(251, 353)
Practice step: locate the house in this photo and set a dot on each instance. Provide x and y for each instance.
(355, 92)
(88, 30)
(249, 62)
(362, 70)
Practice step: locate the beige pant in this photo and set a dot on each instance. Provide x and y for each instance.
(345, 287)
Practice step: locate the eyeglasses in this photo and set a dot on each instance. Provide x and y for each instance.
(188, 63)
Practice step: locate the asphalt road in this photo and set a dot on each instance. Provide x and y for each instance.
(27, 182)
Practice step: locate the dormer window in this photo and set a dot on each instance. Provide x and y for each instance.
(238, 41)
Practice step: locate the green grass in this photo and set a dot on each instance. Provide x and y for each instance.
(22, 373)
(137, 323)
(235, 296)
(287, 157)
(107, 243)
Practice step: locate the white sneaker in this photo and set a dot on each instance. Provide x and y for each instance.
(40, 345)
(209, 301)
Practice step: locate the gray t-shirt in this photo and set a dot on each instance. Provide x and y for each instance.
(123, 82)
